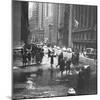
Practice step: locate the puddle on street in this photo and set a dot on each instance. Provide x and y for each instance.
(39, 82)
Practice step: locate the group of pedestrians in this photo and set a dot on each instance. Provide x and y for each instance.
(75, 58)
(64, 62)
(32, 53)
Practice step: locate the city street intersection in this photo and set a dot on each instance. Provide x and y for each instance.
(35, 81)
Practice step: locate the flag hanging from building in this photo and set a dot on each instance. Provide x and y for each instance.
(76, 23)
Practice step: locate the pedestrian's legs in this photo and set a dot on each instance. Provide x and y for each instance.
(51, 66)
(57, 66)
(66, 71)
(33, 59)
(48, 58)
(61, 73)
(51, 73)
(23, 64)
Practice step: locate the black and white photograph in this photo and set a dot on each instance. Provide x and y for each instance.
(54, 49)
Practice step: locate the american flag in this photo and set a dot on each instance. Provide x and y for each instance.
(76, 23)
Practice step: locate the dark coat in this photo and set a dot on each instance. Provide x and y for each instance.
(24, 58)
(59, 58)
(52, 58)
(62, 65)
(68, 63)
(49, 52)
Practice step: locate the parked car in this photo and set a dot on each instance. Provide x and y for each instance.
(91, 53)
(17, 49)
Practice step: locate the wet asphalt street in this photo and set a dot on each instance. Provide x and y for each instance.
(36, 81)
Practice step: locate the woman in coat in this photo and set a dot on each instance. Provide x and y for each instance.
(67, 64)
(52, 59)
(62, 66)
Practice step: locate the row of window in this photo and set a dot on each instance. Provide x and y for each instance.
(79, 46)
(84, 36)
(84, 46)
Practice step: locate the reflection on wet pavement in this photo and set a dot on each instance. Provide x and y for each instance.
(37, 81)
(42, 83)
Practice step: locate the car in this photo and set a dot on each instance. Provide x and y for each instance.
(17, 49)
(91, 53)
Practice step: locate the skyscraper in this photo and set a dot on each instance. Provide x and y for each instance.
(51, 22)
(44, 21)
(35, 22)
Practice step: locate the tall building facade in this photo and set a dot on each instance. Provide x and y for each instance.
(79, 27)
(65, 25)
(84, 29)
(20, 29)
(33, 21)
(16, 23)
(46, 21)
(61, 16)
(37, 22)
(24, 22)
(51, 22)
(66, 34)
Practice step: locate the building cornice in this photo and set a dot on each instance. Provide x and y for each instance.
(83, 29)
